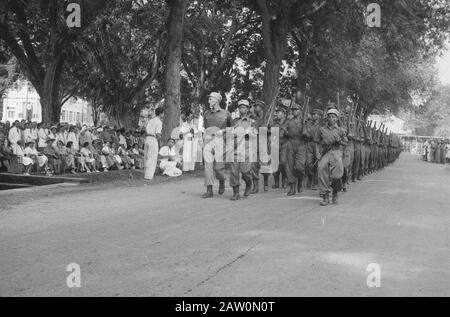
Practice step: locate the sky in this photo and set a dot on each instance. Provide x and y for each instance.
(443, 65)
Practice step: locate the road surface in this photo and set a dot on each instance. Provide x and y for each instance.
(163, 240)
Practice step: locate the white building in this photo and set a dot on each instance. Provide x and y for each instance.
(22, 102)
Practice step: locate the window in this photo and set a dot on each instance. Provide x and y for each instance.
(20, 115)
(10, 114)
(70, 116)
(63, 115)
(78, 117)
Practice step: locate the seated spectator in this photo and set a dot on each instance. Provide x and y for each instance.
(137, 155)
(5, 153)
(116, 156)
(52, 155)
(96, 150)
(124, 156)
(88, 158)
(108, 155)
(27, 162)
(168, 163)
(71, 155)
(38, 158)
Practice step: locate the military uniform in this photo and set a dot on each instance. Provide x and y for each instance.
(311, 155)
(243, 131)
(347, 150)
(295, 154)
(283, 140)
(219, 119)
(330, 168)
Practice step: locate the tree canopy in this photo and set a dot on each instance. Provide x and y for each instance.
(129, 54)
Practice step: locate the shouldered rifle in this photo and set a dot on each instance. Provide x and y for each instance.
(271, 108)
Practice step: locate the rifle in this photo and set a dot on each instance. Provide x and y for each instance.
(271, 108)
(293, 100)
(305, 111)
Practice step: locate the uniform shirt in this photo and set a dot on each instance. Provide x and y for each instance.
(282, 127)
(220, 119)
(294, 128)
(361, 132)
(311, 129)
(154, 126)
(330, 136)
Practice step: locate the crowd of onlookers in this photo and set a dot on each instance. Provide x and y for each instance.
(437, 151)
(29, 147)
(431, 150)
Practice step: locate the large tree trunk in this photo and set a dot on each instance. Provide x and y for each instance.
(172, 77)
(276, 27)
(271, 80)
(50, 101)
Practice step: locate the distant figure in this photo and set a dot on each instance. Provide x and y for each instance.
(153, 137)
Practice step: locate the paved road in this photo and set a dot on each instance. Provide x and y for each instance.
(163, 240)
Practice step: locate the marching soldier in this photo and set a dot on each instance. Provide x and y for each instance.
(311, 157)
(219, 119)
(279, 121)
(330, 138)
(348, 150)
(295, 151)
(258, 117)
(243, 127)
(357, 151)
(362, 139)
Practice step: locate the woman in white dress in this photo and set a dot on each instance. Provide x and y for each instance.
(27, 162)
(39, 158)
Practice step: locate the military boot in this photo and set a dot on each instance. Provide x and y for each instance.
(335, 198)
(309, 182)
(266, 183)
(248, 188)
(326, 200)
(221, 187)
(277, 182)
(299, 185)
(283, 182)
(255, 189)
(315, 181)
(235, 193)
(209, 192)
(291, 191)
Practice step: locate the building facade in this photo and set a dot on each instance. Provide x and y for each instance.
(22, 102)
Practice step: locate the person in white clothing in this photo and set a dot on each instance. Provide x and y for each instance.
(62, 135)
(36, 156)
(168, 163)
(153, 136)
(73, 137)
(27, 162)
(14, 135)
(42, 136)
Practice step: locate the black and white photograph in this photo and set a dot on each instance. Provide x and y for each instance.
(224, 154)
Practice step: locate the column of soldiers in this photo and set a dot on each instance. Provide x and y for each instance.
(328, 149)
